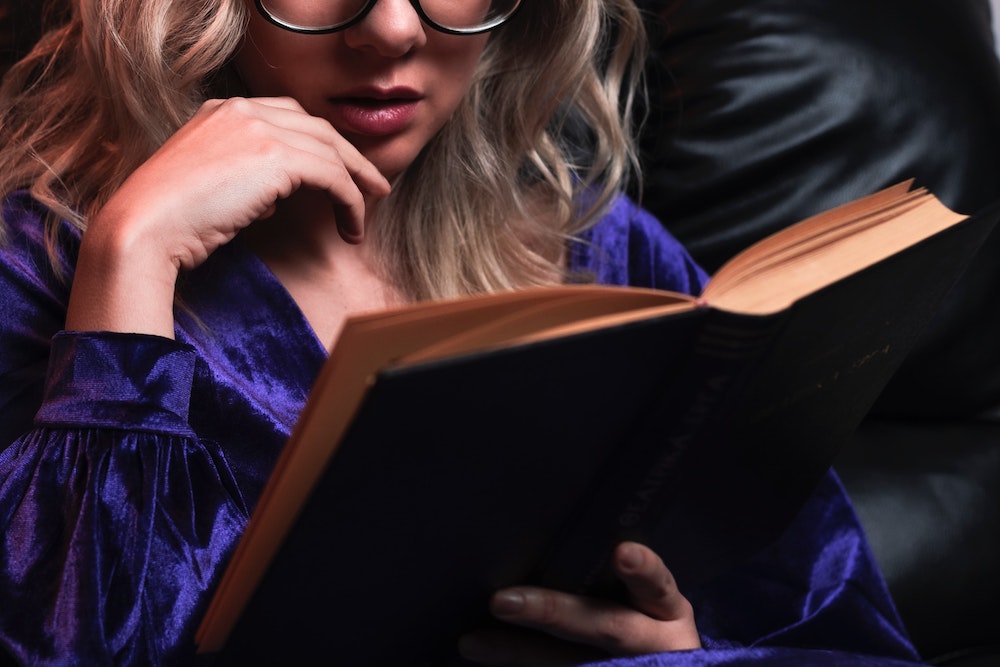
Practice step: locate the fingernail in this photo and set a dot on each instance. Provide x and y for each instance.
(507, 603)
(629, 557)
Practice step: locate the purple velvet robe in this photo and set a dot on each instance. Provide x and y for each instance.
(129, 465)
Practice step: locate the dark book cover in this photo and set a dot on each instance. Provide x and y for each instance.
(700, 433)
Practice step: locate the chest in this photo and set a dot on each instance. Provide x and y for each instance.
(329, 295)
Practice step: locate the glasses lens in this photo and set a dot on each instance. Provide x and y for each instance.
(457, 15)
(313, 14)
(468, 15)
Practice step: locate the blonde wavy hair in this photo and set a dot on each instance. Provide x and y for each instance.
(489, 203)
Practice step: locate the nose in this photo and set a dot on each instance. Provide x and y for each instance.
(392, 28)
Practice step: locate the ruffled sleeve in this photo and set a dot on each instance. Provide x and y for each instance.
(115, 517)
(110, 504)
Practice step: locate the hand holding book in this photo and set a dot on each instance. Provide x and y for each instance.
(572, 629)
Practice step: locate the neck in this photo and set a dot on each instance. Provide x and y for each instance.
(327, 277)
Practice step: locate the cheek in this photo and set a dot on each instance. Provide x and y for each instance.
(257, 71)
(457, 66)
(270, 61)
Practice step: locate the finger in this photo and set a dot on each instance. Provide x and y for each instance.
(596, 623)
(288, 159)
(350, 225)
(650, 584)
(601, 624)
(522, 648)
(287, 113)
(333, 178)
(278, 102)
(310, 134)
(284, 119)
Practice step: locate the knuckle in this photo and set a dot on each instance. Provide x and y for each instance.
(291, 102)
(614, 632)
(319, 126)
(663, 590)
(212, 104)
(344, 185)
(268, 150)
(239, 105)
(549, 608)
(237, 111)
(685, 608)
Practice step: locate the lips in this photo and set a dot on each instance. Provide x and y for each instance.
(375, 112)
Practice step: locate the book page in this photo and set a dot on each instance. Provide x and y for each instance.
(806, 257)
(586, 311)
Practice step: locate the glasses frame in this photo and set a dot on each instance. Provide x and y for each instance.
(303, 30)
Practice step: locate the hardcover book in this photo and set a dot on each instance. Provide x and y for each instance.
(452, 448)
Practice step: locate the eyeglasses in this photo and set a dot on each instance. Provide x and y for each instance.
(455, 17)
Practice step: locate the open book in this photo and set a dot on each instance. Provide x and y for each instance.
(451, 448)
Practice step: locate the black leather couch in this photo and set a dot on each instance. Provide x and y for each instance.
(763, 112)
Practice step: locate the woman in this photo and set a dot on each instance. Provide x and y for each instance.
(198, 194)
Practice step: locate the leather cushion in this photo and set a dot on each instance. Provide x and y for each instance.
(927, 494)
(766, 111)
(763, 112)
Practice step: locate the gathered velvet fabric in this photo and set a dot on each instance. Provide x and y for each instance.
(130, 464)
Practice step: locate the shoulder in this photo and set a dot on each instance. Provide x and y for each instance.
(21, 212)
(630, 246)
(29, 250)
(25, 219)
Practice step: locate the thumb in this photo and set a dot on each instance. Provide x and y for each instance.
(651, 586)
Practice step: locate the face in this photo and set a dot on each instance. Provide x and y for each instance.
(387, 83)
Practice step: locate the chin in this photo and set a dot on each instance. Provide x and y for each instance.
(390, 166)
(390, 155)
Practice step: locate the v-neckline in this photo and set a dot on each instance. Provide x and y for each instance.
(241, 317)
